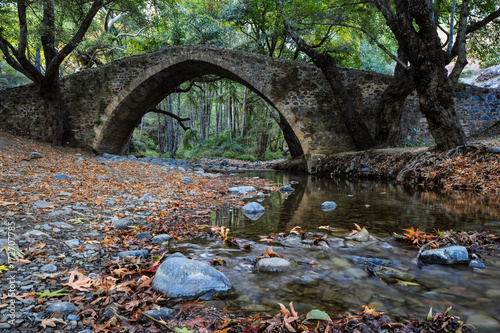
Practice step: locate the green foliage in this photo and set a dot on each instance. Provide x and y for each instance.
(151, 145)
(102, 105)
(138, 147)
(189, 136)
(98, 122)
(11, 78)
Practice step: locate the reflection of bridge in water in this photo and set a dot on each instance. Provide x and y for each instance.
(381, 208)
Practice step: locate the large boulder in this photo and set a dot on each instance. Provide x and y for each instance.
(181, 277)
(455, 254)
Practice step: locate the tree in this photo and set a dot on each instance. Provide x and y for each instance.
(351, 117)
(55, 50)
(415, 25)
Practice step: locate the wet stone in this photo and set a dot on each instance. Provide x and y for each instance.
(286, 188)
(241, 189)
(328, 205)
(253, 208)
(455, 254)
(292, 241)
(476, 264)
(362, 236)
(159, 239)
(273, 265)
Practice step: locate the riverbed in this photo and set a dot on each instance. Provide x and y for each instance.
(333, 278)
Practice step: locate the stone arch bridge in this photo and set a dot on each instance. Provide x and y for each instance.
(106, 103)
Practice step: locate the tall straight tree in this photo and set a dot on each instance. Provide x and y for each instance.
(57, 126)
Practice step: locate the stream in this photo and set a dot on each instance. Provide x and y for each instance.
(338, 281)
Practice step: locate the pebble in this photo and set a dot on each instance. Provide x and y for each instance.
(65, 308)
(138, 253)
(49, 268)
(159, 239)
(34, 155)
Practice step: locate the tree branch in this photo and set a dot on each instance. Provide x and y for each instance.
(367, 33)
(480, 24)
(461, 43)
(173, 115)
(130, 35)
(77, 38)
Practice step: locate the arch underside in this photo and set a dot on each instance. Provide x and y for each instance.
(117, 130)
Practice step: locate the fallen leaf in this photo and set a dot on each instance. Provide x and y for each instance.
(52, 322)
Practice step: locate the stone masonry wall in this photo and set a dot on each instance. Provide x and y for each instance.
(100, 97)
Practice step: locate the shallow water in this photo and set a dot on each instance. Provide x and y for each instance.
(340, 283)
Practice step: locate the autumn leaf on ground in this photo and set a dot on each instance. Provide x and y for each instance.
(3, 268)
(11, 251)
(122, 271)
(108, 240)
(144, 282)
(48, 293)
(81, 284)
(289, 316)
(6, 203)
(52, 322)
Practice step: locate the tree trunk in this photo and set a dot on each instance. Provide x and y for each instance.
(436, 103)
(351, 117)
(389, 113)
(230, 118)
(57, 126)
(202, 123)
(327, 64)
(243, 113)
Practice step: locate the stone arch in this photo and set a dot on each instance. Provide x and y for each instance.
(152, 85)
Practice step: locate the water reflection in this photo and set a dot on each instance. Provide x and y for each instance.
(339, 283)
(383, 208)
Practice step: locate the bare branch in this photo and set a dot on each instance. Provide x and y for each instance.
(173, 115)
(130, 35)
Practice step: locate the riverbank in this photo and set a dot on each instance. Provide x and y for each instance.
(474, 167)
(76, 217)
